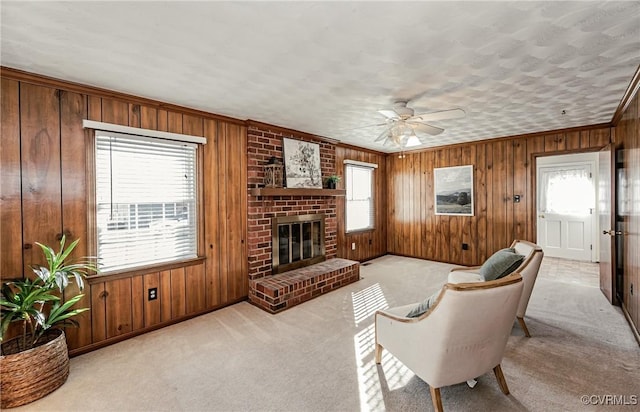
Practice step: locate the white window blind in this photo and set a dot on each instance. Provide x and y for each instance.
(145, 200)
(359, 202)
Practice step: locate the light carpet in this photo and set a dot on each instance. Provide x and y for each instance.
(318, 356)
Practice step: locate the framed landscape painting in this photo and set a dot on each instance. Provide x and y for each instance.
(302, 164)
(453, 188)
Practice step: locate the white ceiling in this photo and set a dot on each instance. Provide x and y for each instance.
(326, 67)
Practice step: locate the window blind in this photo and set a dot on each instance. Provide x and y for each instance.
(145, 200)
(359, 200)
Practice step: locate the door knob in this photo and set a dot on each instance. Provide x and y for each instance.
(541, 216)
(612, 232)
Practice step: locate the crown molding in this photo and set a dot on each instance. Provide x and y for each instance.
(628, 96)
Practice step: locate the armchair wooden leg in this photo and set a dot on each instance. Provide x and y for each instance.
(436, 399)
(524, 327)
(501, 381)
(378, 353)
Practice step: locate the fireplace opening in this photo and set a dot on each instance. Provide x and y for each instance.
(297, 241)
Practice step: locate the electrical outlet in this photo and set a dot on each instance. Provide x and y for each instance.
(152, 294)
(353, 246)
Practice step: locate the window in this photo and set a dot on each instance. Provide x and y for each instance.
(145, 200)
(566, 190)
(359, 179)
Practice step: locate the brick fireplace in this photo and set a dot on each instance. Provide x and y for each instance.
(275, 293)
(261, 146)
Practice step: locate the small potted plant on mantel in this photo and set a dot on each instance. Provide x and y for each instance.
(36, 362)
(332, 181)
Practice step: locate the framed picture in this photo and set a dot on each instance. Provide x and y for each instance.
(453, 188)
(302, 164)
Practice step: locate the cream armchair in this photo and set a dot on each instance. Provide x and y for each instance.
(528, 269)
(462, 336)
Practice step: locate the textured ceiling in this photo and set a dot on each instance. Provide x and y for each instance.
(327, 67)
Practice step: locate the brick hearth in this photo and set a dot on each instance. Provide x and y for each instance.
(277, 293)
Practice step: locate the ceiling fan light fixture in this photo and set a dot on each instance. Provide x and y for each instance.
(413, 141)
(405, 135)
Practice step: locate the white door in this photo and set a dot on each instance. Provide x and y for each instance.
(566, 207)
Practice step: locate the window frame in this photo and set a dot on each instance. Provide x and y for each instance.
(91, 191)
(371, 167)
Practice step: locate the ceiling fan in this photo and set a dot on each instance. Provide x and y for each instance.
(404, 128)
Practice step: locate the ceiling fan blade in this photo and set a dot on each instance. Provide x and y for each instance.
(384, 134)
(361, 127)
(424, 139)
(389, 114)
(390, 143)
(441, 115)
(426, 128)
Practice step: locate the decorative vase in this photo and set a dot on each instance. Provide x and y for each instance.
(331, 184)
(30, 375)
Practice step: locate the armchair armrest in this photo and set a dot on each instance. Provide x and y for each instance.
(398, 313)
(461, 276)
(466, 269)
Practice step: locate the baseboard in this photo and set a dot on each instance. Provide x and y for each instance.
(634, 329)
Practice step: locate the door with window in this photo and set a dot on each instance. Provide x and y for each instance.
(566, 210)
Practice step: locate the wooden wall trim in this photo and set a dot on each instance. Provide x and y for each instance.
(628, 96)
(362, 149)
(506, 138)
(41, 80)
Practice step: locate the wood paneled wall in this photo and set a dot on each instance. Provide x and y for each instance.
(502, 168)
(45, 161)
(45, 154)
(627, 138)
(370, 243)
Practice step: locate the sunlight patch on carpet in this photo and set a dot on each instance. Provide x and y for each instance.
(396, 374)
(371, 389)
(368, 383)
(367, 301)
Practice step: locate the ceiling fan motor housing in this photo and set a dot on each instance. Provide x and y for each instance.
(402, 110)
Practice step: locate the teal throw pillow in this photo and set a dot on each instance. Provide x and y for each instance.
(424, 306)
(500, 264)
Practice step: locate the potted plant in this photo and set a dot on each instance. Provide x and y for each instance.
(332, 181)
(36, 362)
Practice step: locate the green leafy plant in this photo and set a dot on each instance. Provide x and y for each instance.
(332, 181)
(34, 301)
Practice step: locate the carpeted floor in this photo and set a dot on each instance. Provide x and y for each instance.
(319, 356)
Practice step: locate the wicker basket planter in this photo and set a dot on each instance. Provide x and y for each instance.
(29, 375)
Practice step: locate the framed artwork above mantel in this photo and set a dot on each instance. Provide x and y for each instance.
(301, 164)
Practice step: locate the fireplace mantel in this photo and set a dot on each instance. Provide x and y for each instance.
(281, 191)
